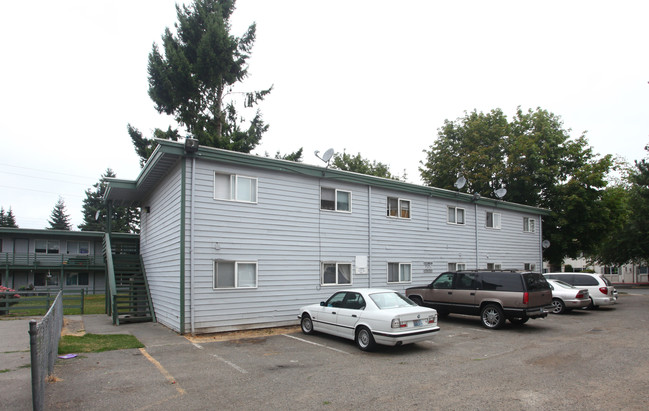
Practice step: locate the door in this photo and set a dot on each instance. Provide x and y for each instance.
(464, 293)
(349, 314)
(326, 317)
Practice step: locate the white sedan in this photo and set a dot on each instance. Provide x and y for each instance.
(565, 297)
(370, 316)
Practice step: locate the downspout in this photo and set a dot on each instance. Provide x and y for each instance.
(191, 246)
(541, 242)
(183, 187)
(477, 244)
(369, 236)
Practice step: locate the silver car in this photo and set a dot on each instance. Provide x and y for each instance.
(566, 297)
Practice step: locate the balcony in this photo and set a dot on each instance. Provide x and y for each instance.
(38, 261)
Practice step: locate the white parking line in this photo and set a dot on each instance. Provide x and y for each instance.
(319, 345)
(235, 366)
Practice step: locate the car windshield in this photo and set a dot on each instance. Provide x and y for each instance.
(391, 300)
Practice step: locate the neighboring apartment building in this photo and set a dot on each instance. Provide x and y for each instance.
(42, 259)
(236, 241)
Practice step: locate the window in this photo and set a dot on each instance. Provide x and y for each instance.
(444, 281)
(502, 282)
(493, 220)
(398, 207)
(336, 200)
(455, 215)
(530, 267)
(76, 279)
(336, 273)
(45, 279)
(528, 224)
(399, 273)
(456, 266)
(466, 281)
(235, 187)
(47, 246)
(494, 266)
(78, 247)
(232, 274)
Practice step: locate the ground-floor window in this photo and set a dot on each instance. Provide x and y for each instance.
(456, 266)
(76, 279)
(494, 266)
(530, 267)
(235, 274)
(399, 272)
(336, 273)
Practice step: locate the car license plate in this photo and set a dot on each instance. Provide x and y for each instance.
(417, 323)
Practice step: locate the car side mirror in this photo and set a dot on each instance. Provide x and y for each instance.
(431, 285)
(322, 304)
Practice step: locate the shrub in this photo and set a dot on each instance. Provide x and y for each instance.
(5, 295)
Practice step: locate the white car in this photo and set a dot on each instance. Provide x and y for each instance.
(599, 288)
(370, 316)
(566, 297)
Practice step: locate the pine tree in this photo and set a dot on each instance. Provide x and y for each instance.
(59, 220)
(192, 78)
(8, 219)
(95, 211)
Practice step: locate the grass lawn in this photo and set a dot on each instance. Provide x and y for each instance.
(31, 306)
(71, 344)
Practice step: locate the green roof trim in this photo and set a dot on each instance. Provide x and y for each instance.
(64, 233)
(167, 148)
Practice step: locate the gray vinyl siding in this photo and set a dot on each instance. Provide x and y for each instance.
(160, 248)
(288, 236)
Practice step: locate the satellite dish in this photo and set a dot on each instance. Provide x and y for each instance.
(545, 244)
(327, 155)
(97, 215)
(460, 182)
(500, 193)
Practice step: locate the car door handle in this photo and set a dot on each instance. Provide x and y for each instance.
(354, 315)
(333, 312)
(472, 294)
(450, 292)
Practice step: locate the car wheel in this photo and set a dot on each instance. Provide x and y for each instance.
(364, 339)
(592, 305)
(558, 306)
(519, 321)
(307, 324)
(416, 299)
(492, 316)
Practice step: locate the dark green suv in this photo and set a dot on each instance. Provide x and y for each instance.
(495, 296)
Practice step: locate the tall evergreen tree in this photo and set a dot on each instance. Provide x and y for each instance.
(59, 219)
(7, 219)
(193, 80)
(95, 211)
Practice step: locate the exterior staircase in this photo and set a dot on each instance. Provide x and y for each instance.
(128, 299)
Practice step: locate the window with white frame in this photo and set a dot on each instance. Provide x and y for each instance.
(235, 188)
(398, 207)
(528, 224)
(235, 274)
(455, 215)
(494, 266)
(493, 220)
(336, 273)
(78, 247)
(530, 267)
(46, 246)
(399, 272)
(76, 279)
(456, 266)
(335, 200)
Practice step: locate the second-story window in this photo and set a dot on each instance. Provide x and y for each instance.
(398, 207)
(336, 200)
(528, 225)
(47, 246)
(235, 187)
(493, 220)
(455, 215)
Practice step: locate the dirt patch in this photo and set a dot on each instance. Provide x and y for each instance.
(73, 327)
(245, 334)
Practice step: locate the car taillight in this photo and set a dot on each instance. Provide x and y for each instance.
(432, 319)
(526, 297)
(579, 294)
(396, 323)
(603, 290)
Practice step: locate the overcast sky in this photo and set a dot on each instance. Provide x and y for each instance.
(372, 77)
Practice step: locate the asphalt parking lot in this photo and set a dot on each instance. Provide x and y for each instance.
(583, 360)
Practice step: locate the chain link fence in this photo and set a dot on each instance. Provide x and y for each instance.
(44, 339)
